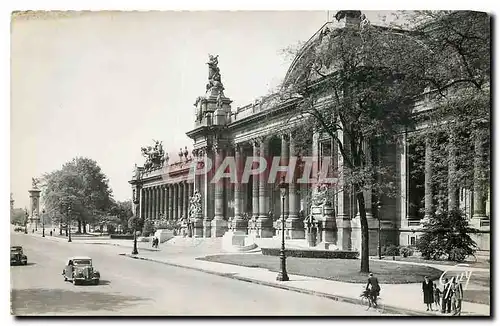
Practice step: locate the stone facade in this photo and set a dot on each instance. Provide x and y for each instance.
(254, 205)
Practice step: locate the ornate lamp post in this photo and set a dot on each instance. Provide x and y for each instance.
(282, 275)
(69, 223)
(26, 221)
(43, 223)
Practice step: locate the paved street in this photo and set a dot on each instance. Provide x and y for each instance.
(135, 287)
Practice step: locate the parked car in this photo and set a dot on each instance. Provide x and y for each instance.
(79, 270)
(17, 256)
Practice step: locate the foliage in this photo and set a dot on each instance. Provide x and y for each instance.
(148, 228)
(446, 234)
(122, 210)
(17, 216)
(392, 250)
(79, 184)
(406, 251)
(135, 223)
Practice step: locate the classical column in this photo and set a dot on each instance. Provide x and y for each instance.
(264, 223)
(285, 157)
(239, 223)
(208, 195)
(255, 182)
(294, 225)
(171, 205)
(219, 225)
(142, 198)
(452, 169)
(158, 202)
(150, 203)
(175, 203)
(185, 194)
(428, 179)
(479, 177)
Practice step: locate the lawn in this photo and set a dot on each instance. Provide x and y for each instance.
(344, 270)
(412, 259)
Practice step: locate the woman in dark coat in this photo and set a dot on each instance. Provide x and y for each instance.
(428, 289)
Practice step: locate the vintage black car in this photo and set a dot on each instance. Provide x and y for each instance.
(17, 257)
(79, 270)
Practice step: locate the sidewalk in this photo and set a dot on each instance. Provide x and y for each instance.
(409, 302)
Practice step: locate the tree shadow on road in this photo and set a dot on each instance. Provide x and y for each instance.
(19, 265)
(43, 301)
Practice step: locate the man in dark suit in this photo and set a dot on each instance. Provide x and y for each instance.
(373, 286)
(446, 306)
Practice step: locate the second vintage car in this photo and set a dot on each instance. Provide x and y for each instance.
(79, 270)
(17, 256)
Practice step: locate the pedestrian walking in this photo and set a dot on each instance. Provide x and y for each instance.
(437, 297)
(457, 297)
(446, 305)
(428, 290)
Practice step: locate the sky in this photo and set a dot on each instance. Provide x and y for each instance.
(103, 84)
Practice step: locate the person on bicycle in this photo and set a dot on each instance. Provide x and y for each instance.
(373, 287)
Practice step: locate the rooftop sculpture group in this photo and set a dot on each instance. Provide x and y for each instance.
(155, 156)
(214, 79)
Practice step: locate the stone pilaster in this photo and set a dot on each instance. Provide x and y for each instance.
(208, 198)
(428, 179)
(219, 225)
(264, 223)
(239, 224)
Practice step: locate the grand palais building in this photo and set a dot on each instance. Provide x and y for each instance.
(163, 187)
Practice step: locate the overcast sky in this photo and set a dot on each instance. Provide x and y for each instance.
(103, 84)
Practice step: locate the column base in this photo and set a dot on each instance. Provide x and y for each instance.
(207, 228)
(219, 227)
(197, 228)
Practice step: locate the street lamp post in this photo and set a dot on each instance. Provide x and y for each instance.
(282, 275)
(69, 223)
(26, 221)
(43, 223)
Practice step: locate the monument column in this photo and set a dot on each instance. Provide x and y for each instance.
(294, 225)
(428, 179)
(34, 204)
(264, 223)
(239, 223)
(219, 225)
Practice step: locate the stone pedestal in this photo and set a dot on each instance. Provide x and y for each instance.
(219, 227)
(198, 227)
(324, 216)
(237, 241)
(265, 228)
(207, 228)
(34, 218)
(164, 235)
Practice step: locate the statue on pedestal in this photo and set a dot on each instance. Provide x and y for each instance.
(35, 182)
(195, 205)
(214, 78)
(155, 156)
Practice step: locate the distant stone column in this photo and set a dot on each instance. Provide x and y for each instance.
(150, 203)
(142, 198)
(171, 196)
(176, 201)
(285, 158)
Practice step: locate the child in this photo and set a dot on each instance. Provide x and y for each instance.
(437, 296)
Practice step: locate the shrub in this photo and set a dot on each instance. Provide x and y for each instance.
(148, 228)
(391, 250)
(447, 234)
(406, 251)
(122, 236)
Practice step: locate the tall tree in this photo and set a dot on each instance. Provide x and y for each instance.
(81, 185)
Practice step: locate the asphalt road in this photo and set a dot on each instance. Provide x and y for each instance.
(136, 287)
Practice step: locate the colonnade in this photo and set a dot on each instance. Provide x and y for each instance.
(170, 201)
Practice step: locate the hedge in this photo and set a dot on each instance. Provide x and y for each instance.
(122, 236)
(304, 253)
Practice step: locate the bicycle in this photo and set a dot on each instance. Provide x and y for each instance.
(367, 300)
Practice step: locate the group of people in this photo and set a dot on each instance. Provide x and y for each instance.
(448, 300)
(155, 242)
